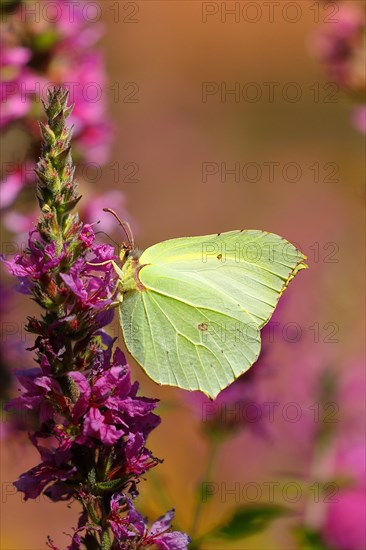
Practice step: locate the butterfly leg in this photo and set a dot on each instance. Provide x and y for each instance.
(100, 263)
(120, 274)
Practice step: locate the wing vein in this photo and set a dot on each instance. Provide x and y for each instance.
(174, 327)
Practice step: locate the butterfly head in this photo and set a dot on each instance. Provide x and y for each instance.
(129, 252)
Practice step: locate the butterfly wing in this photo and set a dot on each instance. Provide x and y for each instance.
(196, 324)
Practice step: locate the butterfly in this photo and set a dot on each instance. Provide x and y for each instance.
(191, 309)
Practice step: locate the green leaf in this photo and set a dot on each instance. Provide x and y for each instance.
(108, 485)
(44, 41)
(309, 540)
(8, 6)
(66, 207)
(249, 520)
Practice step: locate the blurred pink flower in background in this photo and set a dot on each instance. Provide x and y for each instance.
(345, 524)
(10, 187)
(340, 46)
(12, 69)
(337, 459)
(85, 77)
(59, 49)
(235, 408)
(240, 405)
(359, 118)
(91, 210)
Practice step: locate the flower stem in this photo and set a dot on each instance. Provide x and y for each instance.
(213, 454)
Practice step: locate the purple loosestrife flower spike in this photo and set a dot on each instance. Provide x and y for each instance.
(56, 187)
(93, 424)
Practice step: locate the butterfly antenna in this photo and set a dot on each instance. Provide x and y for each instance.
(109, 237)
(125, 226)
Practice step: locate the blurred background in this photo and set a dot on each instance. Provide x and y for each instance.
(216, 121)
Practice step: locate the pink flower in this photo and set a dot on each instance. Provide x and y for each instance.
(95, 425)
(238, 406)
(14, 56)
(51, 473)
(10, 188)
(68, 58)
(132, 531)
(345, 525)
(338, 44)
(12, 63)
(87, 235)
(359, 118)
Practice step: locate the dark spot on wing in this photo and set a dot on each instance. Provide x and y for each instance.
(203, 327)
(219, 256)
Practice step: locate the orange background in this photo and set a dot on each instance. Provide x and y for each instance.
(169, 132)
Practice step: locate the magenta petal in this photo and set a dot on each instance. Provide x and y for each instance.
(81, 404)
(10, 188)
(95, 426)
(172, 541)
(162, 524)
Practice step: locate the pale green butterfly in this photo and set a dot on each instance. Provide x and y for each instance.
(191, 308)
